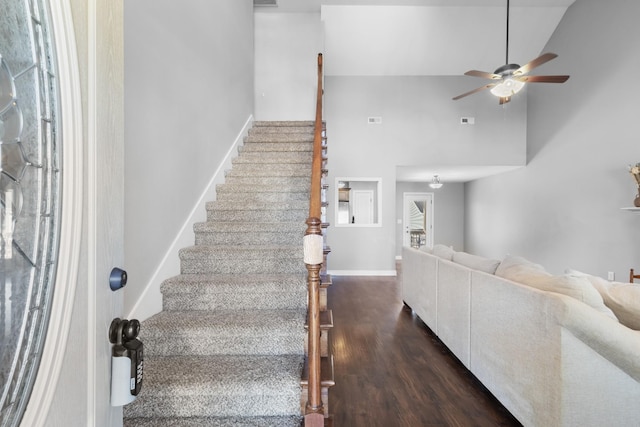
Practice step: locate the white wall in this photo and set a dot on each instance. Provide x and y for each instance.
(286, 50)
(448, 212)
(420, 126)
(188, 93)
(563, 209)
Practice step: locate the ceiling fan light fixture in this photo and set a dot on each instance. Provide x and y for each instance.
(511, 78)
(435, 182)
(508, 87)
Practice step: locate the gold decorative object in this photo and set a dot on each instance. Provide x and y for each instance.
(635, 173)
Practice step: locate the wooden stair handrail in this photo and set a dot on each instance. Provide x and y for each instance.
(313, 258)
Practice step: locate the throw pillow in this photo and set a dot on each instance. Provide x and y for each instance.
(528, 273)
(578, 287)
(517, 268)
(622, 298)
(443, 251)
(426, 249)
(476, 262)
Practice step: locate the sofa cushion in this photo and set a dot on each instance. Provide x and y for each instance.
(442, 251)
(622, 298)
(476, 262)
(521, 270)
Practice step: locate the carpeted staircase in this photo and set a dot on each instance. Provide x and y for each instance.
(228, 347)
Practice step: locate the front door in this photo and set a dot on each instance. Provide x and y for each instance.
(105, 194)
(72, 384)
(417, 220)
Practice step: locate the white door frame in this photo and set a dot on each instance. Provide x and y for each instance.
(429, 225)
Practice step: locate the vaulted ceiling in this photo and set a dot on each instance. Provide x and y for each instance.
(428, 37)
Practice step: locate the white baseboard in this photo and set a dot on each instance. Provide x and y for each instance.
(362, 272)
(150, 301)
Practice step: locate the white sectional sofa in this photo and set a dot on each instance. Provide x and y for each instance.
(549, 358)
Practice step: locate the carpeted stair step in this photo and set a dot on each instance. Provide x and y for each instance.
(286, 186)
(278, 142)
(292, 211)
(281, 130)
(284, 421)
(274, 158)
(262, 192)
(264, 196)
(289, 123)
(240, 233)
(275, 170)
(206, 333)
(238, 260)
(302, 181)
(308, 129)
(276, 197)
(219, 386)
(235, 291)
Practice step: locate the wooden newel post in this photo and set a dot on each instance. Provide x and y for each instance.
(313, 257)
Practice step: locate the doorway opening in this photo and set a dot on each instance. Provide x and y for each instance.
(417, 223)
(358, 202)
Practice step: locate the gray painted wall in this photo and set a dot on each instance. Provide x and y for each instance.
(448, 212)
(420, 126)
(563, 209)
(188, 93)
(286, 50)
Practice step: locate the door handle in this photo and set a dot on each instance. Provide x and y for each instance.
(117, 279)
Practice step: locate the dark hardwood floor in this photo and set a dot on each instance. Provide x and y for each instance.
(391, 370)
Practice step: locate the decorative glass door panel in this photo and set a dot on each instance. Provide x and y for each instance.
(418, 220)
(29, 196)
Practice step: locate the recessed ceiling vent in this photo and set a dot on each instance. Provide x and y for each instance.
(265, 2)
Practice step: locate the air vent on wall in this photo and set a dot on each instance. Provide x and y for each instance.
(265, 2)
(374, 120)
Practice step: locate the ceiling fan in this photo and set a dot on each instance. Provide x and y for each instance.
(511, 78)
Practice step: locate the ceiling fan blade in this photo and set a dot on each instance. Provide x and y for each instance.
(504, 100)
(483, 74)
(546, 57)
(543, 79)
(471, 92)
